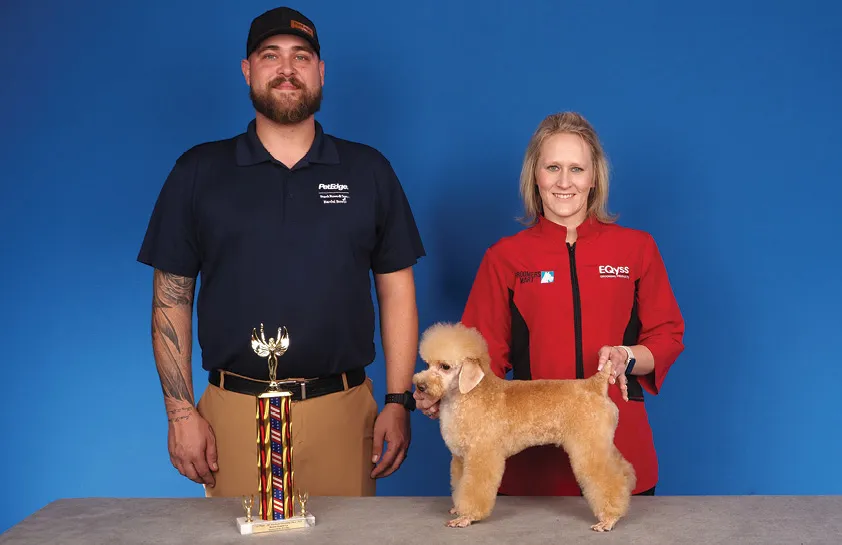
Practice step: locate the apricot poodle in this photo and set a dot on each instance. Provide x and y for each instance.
(485, 419)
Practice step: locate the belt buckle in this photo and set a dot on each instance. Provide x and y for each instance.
(302, 383)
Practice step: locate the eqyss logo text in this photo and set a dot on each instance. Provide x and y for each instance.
(334, 193)
(610, 271)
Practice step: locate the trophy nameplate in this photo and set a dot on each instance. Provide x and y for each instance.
(276, 493)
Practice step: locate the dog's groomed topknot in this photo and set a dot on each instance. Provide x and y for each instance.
(452, 342)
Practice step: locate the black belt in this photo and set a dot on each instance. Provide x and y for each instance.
(301, 388)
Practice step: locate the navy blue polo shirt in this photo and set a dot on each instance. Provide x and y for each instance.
(284, 247)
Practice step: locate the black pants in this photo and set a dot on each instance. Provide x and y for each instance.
(650, 492)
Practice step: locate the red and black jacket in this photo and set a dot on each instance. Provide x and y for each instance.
(546, 307)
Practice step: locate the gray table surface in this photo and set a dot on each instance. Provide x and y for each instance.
(409, 520)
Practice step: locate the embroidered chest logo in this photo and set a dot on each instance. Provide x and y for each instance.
(334, 193)
(610, 271)
(528, 277)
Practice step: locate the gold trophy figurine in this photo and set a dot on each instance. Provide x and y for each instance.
(276, 477)
(248, 503)
(302, 502)
(274, 349)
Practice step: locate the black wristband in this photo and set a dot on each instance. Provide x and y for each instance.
(405, 400)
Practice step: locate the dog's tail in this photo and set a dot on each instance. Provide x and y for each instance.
(601, 378)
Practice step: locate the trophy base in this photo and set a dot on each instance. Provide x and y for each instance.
(259, 526)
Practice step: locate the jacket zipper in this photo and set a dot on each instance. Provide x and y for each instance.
(577, 311)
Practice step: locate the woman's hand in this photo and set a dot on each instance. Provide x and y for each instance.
(426, 405)
(619, 360)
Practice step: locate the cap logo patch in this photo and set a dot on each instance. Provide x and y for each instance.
(301, 26)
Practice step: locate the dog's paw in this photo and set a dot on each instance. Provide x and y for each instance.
(453, 511)
(604, 525)
(459, 522)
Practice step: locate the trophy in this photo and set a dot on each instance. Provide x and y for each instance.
(276, 492)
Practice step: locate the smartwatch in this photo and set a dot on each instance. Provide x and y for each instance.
(405, 399)
(631, 360)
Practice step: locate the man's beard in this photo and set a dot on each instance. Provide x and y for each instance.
(286, 112)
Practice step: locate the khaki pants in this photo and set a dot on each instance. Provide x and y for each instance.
(332, 438)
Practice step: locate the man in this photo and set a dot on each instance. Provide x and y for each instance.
(285, 223)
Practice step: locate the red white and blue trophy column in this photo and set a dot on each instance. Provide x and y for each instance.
(274, 456)
(276, 492)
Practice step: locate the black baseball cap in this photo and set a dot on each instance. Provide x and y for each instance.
(282, 20)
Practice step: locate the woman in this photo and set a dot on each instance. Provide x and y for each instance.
(571, 291)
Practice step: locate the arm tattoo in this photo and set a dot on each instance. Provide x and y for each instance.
(172, 290)
(172, 306)
(173, 383)
(177, 415)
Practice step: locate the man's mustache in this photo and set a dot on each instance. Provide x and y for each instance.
(283, 79)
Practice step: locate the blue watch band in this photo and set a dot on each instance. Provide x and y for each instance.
(631, 360)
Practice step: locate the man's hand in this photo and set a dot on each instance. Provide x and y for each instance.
(190, 439)
(399, 331)
(192, 446)
(392, 425)
(426, 405)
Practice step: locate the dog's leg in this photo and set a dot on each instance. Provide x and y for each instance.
(605, 478)
(455, 475)
(476, 492)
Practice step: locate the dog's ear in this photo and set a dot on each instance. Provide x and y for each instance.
(470, 375)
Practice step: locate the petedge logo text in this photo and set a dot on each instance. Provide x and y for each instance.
(334, 193)
(333, 187)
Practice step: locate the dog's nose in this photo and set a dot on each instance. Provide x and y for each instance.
(422, 388)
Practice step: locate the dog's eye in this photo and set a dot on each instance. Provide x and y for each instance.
(445, 367)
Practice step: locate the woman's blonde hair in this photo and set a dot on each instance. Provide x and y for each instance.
(573, 123)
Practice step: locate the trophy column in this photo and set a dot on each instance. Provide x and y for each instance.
(276, 475)
(274, 456)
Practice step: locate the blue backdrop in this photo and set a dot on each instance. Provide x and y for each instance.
(721, 123)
